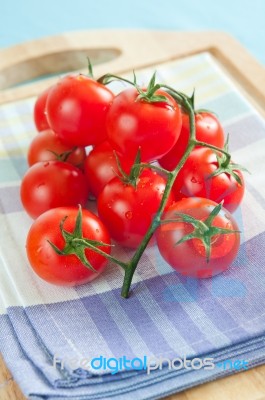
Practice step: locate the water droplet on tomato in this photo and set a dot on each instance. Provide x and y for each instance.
(46, 164)
(143, 182)
(194, 180)
(129, 214)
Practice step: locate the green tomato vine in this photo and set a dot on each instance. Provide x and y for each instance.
(76, 244)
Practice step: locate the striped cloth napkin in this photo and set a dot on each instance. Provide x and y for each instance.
(49, 334)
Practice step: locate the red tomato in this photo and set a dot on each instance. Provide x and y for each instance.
(46, 143)
(101, 167)
(65, 269)
(134, 124)
(208, 130)
(39, 113)
(189, 257)
(127, 211)
(76, 110)
(52, 184)
(195, 180)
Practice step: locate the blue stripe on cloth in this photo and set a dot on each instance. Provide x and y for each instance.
(195, 314)
(20, 164)
(10, 199)
(70, 330)
(215, 321)
(36, 352)
(245, 131)
(158, 383)
(8, 172)
(113, 333)
(228, 106)
(256, 194)
(150, 331)
(190, 331)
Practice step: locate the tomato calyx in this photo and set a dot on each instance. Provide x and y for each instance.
(149, 95)
(76, 244)
(135, 171)
(64, 155)
(225, 165)
(203, 230)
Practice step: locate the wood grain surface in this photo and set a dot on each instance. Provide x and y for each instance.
(119, 52)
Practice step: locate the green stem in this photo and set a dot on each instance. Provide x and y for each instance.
(188, 104)
(155, 167)
(181, 98)
(102, 253)
(210, 146)
(131, 267)
(107, 78)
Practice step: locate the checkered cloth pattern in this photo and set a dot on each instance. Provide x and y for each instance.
(167, 315)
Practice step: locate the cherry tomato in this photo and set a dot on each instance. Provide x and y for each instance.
(189, 257)
(68, 269)
(47, 146)
(195, 180)
(208, 130)
(52, 184)
(128, 210)
(152, 127)
(76, 110)
(101, 166)
(39, 113)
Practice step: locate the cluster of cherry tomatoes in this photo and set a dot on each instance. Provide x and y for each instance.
(118, 149)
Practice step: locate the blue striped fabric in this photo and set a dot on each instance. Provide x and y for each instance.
(167, 316)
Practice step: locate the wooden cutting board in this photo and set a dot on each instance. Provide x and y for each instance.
(119, 52)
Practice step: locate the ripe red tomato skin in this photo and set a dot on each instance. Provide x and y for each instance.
(208, 130)
(76, 110)
(39, 113)
(101, 166)
(189, 258)
(194, 180)
(127, 211)
(65, 270)
(42, 145)
(52, 184)
(133, 124)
